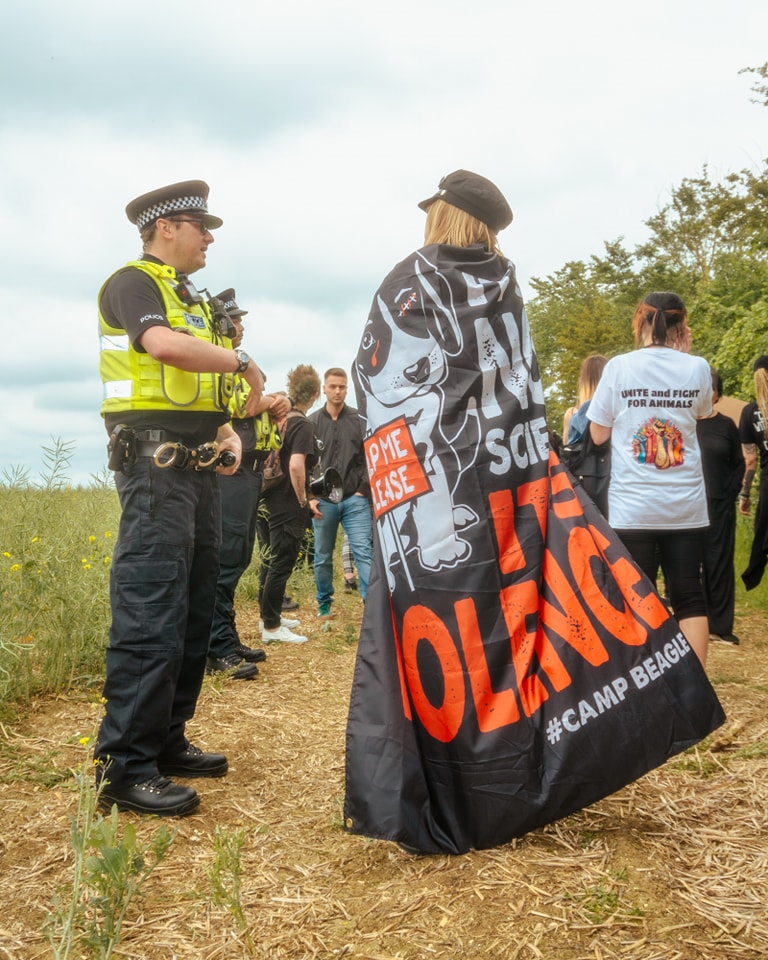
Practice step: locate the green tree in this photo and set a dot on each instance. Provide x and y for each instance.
(744, 341)
(761, 89)
(709, 244)
(582, 309)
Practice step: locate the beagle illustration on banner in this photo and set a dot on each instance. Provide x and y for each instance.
(418, 446)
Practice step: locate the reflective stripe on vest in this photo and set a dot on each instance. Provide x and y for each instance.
(136, 381)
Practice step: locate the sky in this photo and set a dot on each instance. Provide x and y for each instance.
(319, 126)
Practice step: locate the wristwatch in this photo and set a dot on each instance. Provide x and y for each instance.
(242, 360)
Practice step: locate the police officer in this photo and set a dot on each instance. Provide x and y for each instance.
(239, 510)
(168, 375)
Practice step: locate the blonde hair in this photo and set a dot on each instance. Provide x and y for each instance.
(589, 376)
(761, 392)
(447, 224)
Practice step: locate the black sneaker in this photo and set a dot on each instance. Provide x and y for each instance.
(728, 638)
(250, 654)
(233, 666)
(158, 795)
(289, 604)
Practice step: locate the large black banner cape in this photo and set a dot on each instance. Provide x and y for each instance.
(514, 664)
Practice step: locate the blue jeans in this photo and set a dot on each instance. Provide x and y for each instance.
(354, 514)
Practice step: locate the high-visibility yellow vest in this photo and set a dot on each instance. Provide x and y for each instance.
(266, 434)
(136, 381)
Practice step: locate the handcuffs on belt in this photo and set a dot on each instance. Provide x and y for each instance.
(205, 457)
(124, 446)
(175, 454)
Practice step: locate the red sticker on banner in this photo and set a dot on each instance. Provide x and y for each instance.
(396, 473)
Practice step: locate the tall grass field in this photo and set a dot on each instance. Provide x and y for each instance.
(56, 544)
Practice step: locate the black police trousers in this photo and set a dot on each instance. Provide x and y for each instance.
(162, 591)
(239, 510)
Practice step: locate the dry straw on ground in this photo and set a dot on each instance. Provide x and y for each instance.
(673, 867)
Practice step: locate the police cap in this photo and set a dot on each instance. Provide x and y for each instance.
(189, 196)
(227, 297)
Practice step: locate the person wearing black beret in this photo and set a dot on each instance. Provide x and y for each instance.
(475, 195)
(167, 373)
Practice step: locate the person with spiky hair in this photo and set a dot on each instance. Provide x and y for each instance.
(287, 503)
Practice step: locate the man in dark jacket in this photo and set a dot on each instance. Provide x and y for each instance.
(339, 429)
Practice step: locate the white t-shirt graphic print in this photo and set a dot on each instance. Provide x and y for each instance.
(651, 399)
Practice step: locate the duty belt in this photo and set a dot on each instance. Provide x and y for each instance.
(166, 451)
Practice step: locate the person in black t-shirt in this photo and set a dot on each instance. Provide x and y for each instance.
(723, 465)
(288, 505)
(753, 431)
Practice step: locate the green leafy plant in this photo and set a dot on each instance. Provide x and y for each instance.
(109, 868)
(226, 879)
(602, 902)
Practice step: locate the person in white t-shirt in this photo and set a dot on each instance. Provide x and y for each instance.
(647, 403)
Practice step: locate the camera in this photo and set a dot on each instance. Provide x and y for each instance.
(187, 292)
(221, 319)
(328, 487)
(226, 459)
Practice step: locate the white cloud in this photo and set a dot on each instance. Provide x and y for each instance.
(319, 127)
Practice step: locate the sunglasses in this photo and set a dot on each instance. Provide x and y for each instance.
(201, 224)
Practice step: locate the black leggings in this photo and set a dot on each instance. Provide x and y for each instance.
(680, 553)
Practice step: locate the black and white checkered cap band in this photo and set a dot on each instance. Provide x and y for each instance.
(231, 305)
(176, 205)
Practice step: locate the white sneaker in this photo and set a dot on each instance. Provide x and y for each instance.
(283, 635)
(284, 622)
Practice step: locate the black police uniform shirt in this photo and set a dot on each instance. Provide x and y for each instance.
(131, 300)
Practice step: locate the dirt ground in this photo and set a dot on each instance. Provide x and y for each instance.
(673, 867)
